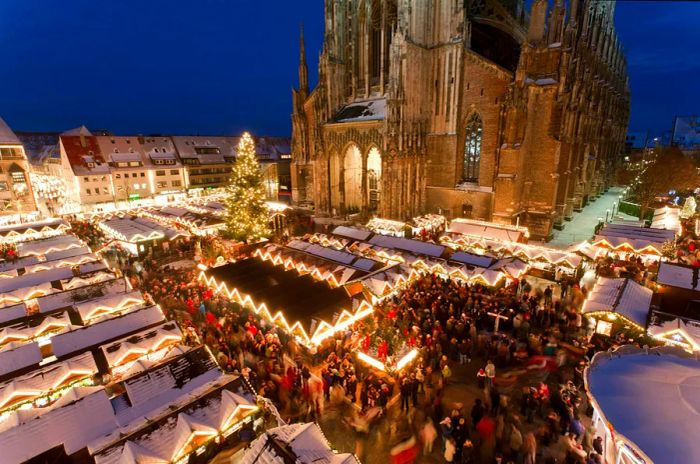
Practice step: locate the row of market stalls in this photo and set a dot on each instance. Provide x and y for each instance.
(428, 223)
(92, 371)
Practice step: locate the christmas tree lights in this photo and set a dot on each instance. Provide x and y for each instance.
(247, 214)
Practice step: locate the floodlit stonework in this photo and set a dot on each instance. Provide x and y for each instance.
(472, 109)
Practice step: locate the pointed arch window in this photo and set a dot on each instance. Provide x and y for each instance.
(472, 149)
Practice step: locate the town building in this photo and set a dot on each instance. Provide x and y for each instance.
(86, 171)
(207, 160)
(165, 168)
(16, 195)
(471, 109)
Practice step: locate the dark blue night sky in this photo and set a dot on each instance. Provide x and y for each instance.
(222, 66)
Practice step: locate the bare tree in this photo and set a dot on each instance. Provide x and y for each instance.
(667, 170)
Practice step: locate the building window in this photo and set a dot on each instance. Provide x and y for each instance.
(3, 186)
(118, 176)
(160, 173)
(177, 183)
(143, 174)
(174, 172)
(472, 149)
(143, 186)
(161, 184)
(105, 190)
(86, 179)
(88, 191)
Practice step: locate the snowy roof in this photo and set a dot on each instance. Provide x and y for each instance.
(667, 218)
(651, 401)
(138, 229)
(30, 229)
(162, 436)
(380, 224)
(44, 380)
(677, 275)
(17, 356)
(49, 245)
(366, 110)
(489, 230)
(352, 232)
(68, 425)
(639, 238)
(621, 296)
(7, 137)
(149, 340)
(405, 244)
(305, 443)
(106, 304)
(81, 338)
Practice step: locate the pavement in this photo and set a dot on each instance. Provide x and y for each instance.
(582, 225)
(385, 433)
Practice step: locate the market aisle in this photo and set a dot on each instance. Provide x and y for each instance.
(581, 227)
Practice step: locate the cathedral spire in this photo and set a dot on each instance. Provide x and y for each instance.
(303, 69)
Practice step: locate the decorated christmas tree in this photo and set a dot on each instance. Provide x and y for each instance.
(689, 207)
(246, 212)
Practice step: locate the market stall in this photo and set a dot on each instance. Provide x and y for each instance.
(617, 302)
(306, 308)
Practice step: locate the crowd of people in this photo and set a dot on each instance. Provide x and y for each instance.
(527, 408)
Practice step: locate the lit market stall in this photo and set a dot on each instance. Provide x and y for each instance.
(139, 235)
(488, 230)
(645, 405)
(624, 240)
(306, 308)
(29, 231)
(667, 218)
(297, 443)
(616, 303)
(387, 227)
(675, 317)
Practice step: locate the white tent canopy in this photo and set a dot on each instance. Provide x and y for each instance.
(622, 296)
(652, 401)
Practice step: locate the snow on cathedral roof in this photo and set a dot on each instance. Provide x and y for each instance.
(367, 110)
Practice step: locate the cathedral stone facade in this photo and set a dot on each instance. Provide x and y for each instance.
(470, 108)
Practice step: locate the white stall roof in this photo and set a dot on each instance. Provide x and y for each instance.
(488, 230)
(405, 244)
(16, 356)
(49, 245)
(677, 275)
(305, 441)
(621, 296)
(83, 337)
(651, 399)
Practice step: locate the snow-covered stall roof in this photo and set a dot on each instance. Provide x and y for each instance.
(107, 304)
(667, 218)
(490, 230)
(83, 337)
(639, 239)
(30, 230)
(352, 232)
(49, 245)
(365, 110)
(306, 442)
(651, 401)
(32, 263)
(134, 230)
(41, 382)
(406, 244)
(381, 225)
(622, 296)
(673, 330)
(163, 436)
(17, 356)
(677, 275)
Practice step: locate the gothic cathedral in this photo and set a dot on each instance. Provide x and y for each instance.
(469, 108)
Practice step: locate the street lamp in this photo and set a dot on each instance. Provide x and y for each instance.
(613, 211)
(607, 213)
